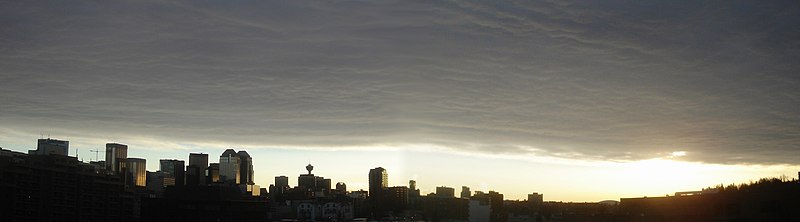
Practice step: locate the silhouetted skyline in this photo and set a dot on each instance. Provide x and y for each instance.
(671, 95)
(44, 185)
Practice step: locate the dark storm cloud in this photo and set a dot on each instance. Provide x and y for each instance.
(588, 80)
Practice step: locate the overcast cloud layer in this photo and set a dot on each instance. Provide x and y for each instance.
(588, 80)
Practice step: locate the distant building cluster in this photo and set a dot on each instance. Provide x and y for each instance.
(42, 185)
(47, 184)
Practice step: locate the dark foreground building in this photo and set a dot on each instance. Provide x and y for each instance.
(60, 188)
(204, 203)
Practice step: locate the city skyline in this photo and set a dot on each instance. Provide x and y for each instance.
(358, 179)
(581, 101)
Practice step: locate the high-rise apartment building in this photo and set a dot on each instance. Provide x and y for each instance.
(398, 198)
(378, 181)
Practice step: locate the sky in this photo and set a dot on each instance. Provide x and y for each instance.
(581, 101)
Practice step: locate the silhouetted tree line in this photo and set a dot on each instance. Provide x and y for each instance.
(766, 199)
(763, 184)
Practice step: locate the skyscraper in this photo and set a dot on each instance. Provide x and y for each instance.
(378, 191)
(115, 157)
(378, 181)
(196, 170)
(281, 185)
(199, 160)
(176, 169)
(229, 166)
(246, 168)
(136, 172)
(51, 146)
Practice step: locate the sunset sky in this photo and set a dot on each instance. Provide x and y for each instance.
(581, 101)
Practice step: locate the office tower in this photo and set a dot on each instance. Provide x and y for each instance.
(198, 159)
(51, 146)
(246, 168)
(136, 171)
(212, 173)
(196, 170)
(445, 192)
(175, 168)
(281, 185)
(229, 166)
(412, 185)
(465, 193)
(115, 157)
(282, 181)
(378, 181)
(307, 181)
(341, 187)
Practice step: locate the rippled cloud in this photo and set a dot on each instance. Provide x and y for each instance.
(582, 80)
